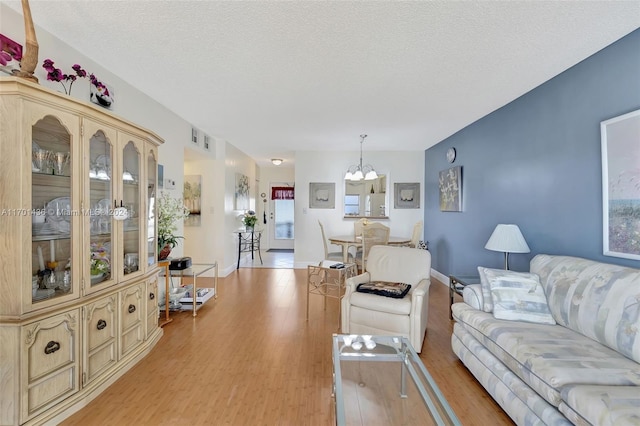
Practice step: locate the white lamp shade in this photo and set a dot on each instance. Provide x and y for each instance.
(357, 175)
(507, 238)
(371, 175)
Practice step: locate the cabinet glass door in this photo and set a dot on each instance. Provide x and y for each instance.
(152, 169)
(131, 199)
(101, 201)
(54, 227)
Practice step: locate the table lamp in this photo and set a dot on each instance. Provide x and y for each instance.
(508, 239)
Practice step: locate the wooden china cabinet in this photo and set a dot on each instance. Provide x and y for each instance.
(78, 262)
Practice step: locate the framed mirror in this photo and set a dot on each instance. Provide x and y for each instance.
(366, 198)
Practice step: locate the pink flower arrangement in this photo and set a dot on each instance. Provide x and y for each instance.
(56, 74)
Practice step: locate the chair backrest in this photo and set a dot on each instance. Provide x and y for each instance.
(358, 225)
(399, 264)
(417, 233)
(324, 240)
(372, 235)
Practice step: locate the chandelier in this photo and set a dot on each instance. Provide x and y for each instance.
(358, 172)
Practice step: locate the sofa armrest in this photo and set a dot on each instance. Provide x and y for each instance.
(472, 296)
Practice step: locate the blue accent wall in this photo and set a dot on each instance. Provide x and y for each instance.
(535, 162)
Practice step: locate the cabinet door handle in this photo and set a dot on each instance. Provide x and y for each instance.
(101, 324)
(51, 347)
(132, 309)
(152, 296)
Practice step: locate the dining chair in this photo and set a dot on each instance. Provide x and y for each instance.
(373, 234)
(357, 226)
(334, 255)
(416, 235)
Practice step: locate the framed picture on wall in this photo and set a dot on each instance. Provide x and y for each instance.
(406, 195)
(192, 199)
(322, 195)
(242, 192)
(450, 183)
(621, 185)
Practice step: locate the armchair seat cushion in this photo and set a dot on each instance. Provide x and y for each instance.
(381, 304)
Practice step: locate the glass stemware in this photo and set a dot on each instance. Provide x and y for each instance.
(60, 160)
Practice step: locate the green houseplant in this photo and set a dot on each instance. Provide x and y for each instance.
(249, 219)
(170, 210)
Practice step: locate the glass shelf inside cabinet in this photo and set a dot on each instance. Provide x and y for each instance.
(52, 232)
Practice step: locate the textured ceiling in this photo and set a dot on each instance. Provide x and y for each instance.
(275, 77)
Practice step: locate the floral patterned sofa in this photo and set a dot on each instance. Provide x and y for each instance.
(583, 370)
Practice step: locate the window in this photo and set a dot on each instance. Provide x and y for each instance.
(352, 205)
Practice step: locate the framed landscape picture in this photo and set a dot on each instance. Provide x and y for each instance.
(621, 186)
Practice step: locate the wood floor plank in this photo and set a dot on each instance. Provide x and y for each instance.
(251, 358)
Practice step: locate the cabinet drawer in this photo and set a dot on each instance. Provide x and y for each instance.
(100, 342)
(50, 371)
(152, 295)
(132, 315)
(131, 306)
(100, 322)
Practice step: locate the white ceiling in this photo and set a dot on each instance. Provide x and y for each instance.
(276, 77)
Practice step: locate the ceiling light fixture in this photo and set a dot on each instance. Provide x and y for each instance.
(277, 161)
(358, 172)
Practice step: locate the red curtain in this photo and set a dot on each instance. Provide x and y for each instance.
(282, 193)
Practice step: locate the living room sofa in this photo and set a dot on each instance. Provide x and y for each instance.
(585, 369)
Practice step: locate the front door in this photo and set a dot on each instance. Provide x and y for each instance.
(281, 216)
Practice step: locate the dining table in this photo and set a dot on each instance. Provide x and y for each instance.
(347, 241)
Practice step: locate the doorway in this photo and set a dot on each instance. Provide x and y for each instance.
(281, 208)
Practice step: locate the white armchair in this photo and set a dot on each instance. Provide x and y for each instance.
(364, 313)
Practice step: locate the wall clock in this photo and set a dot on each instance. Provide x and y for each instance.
(451, 155)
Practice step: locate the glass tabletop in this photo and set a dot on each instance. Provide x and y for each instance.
(195, 270)
(382, 378)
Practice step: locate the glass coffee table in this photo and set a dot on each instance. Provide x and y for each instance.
(381, 380)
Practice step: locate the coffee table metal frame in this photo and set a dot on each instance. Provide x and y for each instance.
(396, 349)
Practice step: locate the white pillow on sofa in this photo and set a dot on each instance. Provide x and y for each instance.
(518, 296)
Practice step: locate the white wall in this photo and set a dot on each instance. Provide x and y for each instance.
(317, 166)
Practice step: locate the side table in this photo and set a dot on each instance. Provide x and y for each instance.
(196, 270)
(249, 241)
(165, 264)
(457, 283)
(328, 282)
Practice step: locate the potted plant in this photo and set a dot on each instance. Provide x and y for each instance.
(249, 219)
(170, 210)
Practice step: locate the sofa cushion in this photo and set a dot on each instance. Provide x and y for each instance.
(518, 297)
(547, 357)
(522, 404)
(601, 405)
(598, 300)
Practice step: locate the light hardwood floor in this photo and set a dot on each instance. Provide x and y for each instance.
(250, 358)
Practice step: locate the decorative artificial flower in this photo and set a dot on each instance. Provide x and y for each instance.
(56, 74)
(99, 266)
(250, 218)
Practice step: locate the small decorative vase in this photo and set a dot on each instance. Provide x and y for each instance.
(248, 228)
(164, 253)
